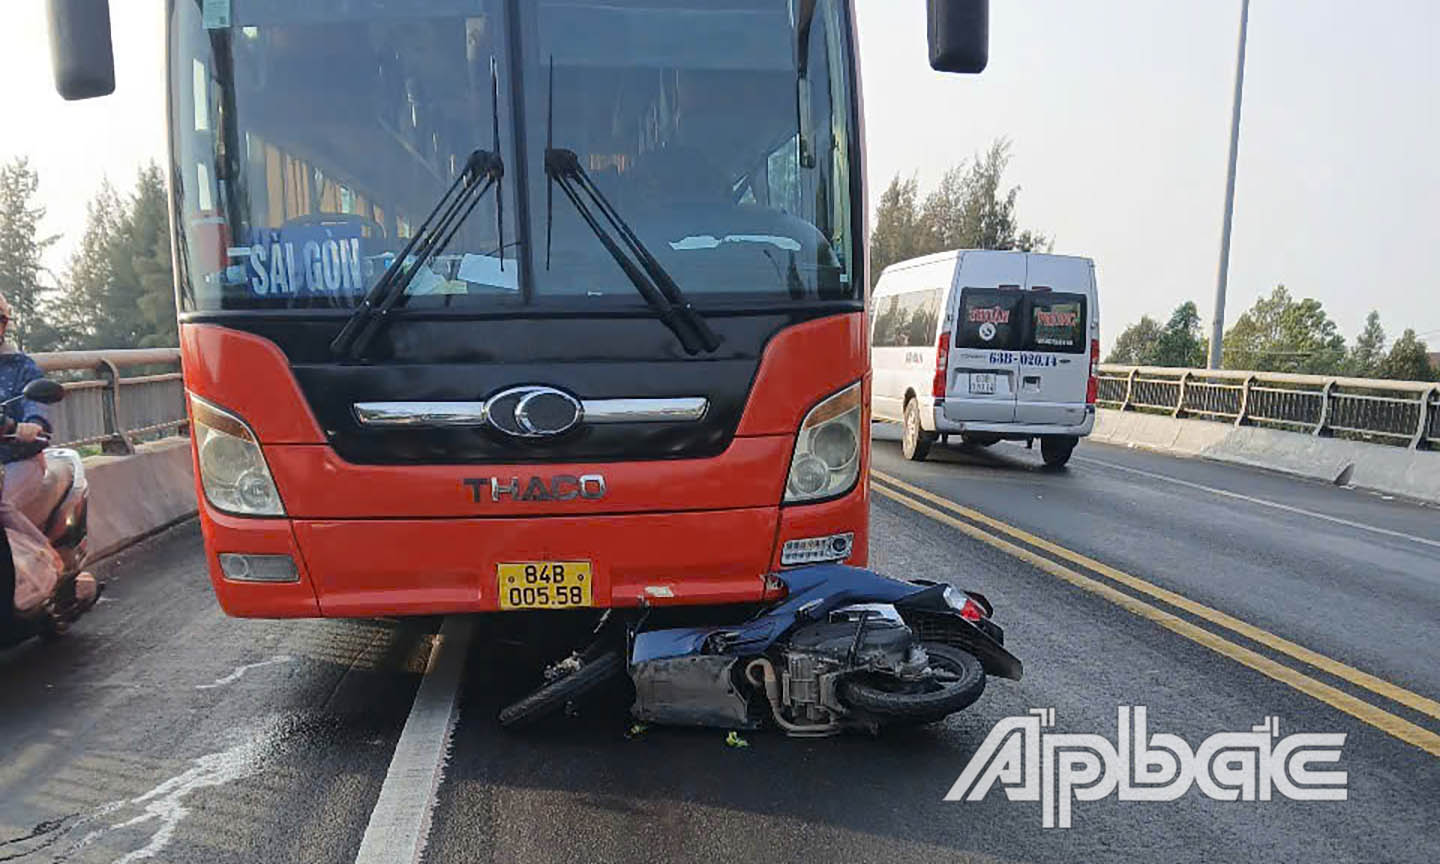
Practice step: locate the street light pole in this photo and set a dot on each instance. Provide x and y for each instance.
(1217, 332)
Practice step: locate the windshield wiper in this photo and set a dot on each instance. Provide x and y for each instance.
(563, 169)
(654, 284)
(483, 170)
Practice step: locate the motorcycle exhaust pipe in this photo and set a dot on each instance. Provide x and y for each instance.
(761, 673)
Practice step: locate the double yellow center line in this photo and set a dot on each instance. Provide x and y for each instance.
(968, 521)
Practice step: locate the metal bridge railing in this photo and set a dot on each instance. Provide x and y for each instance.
(116, 398)
(1405, 413)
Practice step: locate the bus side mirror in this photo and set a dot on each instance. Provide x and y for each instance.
(80, 48)
(959, 35)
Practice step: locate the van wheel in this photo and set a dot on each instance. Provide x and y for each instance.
(1056, 450)
(915, 443)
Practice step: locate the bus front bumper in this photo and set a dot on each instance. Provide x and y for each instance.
(362, 568)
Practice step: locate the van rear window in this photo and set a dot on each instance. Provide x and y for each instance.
(1057, 323)
(990, 319)
(1022, 321)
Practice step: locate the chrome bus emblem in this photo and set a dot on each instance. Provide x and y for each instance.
(534, 412)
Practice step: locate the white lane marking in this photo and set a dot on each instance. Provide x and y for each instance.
(1263, 502)
(400, 823)
(241, 670)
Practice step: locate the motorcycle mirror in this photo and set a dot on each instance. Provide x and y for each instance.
(44, 390)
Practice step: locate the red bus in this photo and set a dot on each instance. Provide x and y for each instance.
(491, 305)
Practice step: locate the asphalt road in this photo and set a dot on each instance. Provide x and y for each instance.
(1215, 597)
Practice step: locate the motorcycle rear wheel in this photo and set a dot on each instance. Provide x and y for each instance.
(892, 699)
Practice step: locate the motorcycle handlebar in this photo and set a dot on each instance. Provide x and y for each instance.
(38, 439)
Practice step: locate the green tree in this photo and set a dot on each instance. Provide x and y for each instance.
(1368, 352)
(150, 260)
(1180, 344)
(897, 235)
(1136, 344)
(967, 210)
(78, 312)
(1281, 334)
(22, 249)
(1408, 360)
(120, 290)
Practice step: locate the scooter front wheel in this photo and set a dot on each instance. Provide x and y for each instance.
(588, 674)
(958, 681)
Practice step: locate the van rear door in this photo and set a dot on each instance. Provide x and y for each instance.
(984, 354)
(1054, 356)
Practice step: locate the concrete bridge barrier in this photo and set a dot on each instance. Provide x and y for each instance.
(134, 496)
(1391, 470)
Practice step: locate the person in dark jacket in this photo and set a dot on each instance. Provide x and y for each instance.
(32, 419)
(24, 420)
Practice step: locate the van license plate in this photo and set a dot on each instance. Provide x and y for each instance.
(982, 383)
(545, 585)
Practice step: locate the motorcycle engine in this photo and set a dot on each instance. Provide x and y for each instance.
(883, 645)
(818, 654)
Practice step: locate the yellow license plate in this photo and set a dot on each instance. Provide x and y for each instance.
(545, 585)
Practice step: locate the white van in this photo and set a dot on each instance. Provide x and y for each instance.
(988, 346)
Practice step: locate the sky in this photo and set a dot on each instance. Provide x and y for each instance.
(1118, 112)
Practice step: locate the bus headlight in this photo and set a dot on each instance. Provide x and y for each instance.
(232, 468)
(827, 449)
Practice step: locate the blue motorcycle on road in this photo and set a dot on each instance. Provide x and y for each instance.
(845, 649)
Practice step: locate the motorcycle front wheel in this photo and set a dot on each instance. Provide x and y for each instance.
(958, 681)
(576, 677)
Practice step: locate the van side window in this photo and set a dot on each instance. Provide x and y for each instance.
(907, 320)
(887, 315)
(924, 308)
(1057, 323)
(990, 319)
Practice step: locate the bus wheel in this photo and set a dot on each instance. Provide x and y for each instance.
(915, 443)
(1056, 450)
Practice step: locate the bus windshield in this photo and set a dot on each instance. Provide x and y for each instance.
(311, 139)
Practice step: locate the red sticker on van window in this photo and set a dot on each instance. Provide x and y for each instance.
(992, 315)
(1056, 319)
